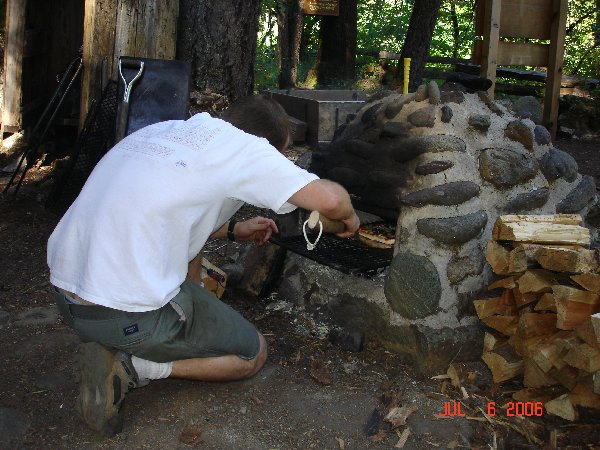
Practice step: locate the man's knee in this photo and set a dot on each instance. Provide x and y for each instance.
(257, 363)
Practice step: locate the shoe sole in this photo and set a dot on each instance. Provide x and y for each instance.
(97, 401)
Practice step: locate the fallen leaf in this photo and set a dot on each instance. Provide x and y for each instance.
(374, 422)
(341, 443)
(397, 416)
(403, 438)
(257, 401)
(453, 444)
(297, 357)
(319, 372)
(190, 436)
(379, 436)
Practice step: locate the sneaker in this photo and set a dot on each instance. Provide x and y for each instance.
(106, 376)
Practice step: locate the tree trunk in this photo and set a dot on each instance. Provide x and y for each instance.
(336, 61)
(290, 21)
(418, 39)
(219, 38)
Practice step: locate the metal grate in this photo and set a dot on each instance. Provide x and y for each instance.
(97, 136)
(346, 255)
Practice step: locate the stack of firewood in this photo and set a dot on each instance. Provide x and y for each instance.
(544, 317)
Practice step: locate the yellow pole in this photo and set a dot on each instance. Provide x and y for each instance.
(406, 75)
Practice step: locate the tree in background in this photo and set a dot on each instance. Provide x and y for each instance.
(336, 61)
(219, 38)
(290, 23)
(418, 39)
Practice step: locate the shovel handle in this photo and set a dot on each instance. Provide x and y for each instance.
(329, 225)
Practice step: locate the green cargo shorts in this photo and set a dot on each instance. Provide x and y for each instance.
(194, 324)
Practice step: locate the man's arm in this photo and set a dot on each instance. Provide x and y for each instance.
(331, 200)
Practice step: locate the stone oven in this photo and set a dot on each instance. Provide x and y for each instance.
(441, 165)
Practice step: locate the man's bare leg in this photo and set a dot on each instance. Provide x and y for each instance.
(220, 368)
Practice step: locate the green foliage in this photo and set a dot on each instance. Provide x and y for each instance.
(382, 25)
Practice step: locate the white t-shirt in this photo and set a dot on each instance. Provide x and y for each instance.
(151, 203)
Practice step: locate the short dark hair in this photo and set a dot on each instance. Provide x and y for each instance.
(260, 116)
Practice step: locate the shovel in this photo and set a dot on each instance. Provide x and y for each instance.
(123, 116)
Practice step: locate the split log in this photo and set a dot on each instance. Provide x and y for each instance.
(559, 219)
(562, 407)
(540, 230)
(595, 319)
(492, 341)
(504, 324)
(536, 395)
(492, 306)
(548, 354)
(588, 281)
(536, 280)
(536, 324)
(574, 306)
(547, 302)
(567, 259)
(504, 363)
(584, 357)
(527, 347)
(504, 283)
(568, 376)
(505, 261)
(587, 334)
(525, 299)
(534, 377)
(581, 395)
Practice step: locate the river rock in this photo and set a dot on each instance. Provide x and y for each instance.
(412, 287)
(434, 93)
(43, 315)
(446, 114)
(504, 167)
(453, 230)
(579, 197)
(424, 117)
(461, 267)
(558, 164)
(519, 132)
(542, 135)
(406, 149)
(453, 193)
(480, 122)
(528, 106)
(527, 201)
(433, 167)
(394, 129)
(421, 93)
(452, 97)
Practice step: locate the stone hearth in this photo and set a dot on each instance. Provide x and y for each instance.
(443, 165)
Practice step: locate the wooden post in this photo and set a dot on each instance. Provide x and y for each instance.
(491, 37)
(98, 44)
(147, 29)
(555, 65)
(13, 65)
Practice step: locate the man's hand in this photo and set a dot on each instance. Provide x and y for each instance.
(257, 229)
(351, 224)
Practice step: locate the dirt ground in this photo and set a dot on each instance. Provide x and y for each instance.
(311, 394)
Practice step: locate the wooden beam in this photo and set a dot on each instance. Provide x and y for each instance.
(98, 45)
(13, 63)
(555, 65)
(491, 37)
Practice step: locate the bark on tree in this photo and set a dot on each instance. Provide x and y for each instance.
(336, 60)
(418, 39)
(219, 38)
(290, 21)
